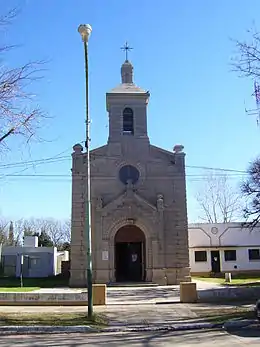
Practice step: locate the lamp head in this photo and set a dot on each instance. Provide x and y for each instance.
(85, 31)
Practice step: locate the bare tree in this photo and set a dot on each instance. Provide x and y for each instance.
(54, 229)
(218, 201)
(67, 231)
(247, 60)
(18, 114)
(25, 227)
(3, 232)
(57, 231)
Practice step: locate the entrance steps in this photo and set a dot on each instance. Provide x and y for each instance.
(132, 284)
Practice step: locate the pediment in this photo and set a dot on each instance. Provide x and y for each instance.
(127, 199)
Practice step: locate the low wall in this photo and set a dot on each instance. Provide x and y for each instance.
(54, 299)
(229, 293)
(43, 299)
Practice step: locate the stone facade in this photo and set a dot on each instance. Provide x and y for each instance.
(132, 183)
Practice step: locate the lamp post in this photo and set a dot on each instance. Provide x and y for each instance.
(85, 31)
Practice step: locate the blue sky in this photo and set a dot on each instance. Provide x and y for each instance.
(182, 54)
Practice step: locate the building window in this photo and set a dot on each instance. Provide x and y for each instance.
(254, 254)
(128, 121)
(129, 172)
(230, 255)
(200, 256)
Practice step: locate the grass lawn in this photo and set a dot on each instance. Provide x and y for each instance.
(61, 319)
(237, 281)
(18, 289)
(34, 283)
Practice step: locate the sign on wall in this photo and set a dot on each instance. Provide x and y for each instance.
(104, 255)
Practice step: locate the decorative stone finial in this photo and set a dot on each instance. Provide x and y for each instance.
(160, 202)
(77, 148)
(127, 72)
(178, 148)
(99, 202)
(129, 185)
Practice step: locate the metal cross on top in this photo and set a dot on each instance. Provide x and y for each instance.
(126, 48)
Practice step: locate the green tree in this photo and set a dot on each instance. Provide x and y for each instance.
(65, 247)
(251, 191)
(44, 239)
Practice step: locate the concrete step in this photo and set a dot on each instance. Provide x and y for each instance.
(132, 284)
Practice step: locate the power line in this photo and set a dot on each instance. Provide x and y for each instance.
(54, 159)
(58, 158)
(199, 176)
(215, 169)
(39, 161)
(38, 175)
(187, 166)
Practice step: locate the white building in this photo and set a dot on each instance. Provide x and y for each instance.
(32, 260)
(223, 248)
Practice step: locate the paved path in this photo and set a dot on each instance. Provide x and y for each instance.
(118, 315)
(128, 295)
(203, 285)
(121, 315)
(131, 305)
(151, 339)
(143, 295)
(138, 295)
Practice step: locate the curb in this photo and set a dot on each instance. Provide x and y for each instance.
(23, 330)
(177, 327)
(40, 329)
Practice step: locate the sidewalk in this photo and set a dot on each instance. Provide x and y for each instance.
(203, 285)
(131, 309)
(135, 305)
(117, 314)
(122, 315)
(131, 318)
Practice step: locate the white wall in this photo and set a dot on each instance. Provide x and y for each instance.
(199, 266)
(221, 237)
(229, 234)
(30, 241)
(12, 250)
(45, 260)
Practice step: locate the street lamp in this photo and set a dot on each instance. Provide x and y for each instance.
(85, 31)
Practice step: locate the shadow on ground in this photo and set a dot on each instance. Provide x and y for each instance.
(253, 330)
(141, 339)
(227, 293)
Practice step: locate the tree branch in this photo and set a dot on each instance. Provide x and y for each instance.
(18, 115)
(217, 200)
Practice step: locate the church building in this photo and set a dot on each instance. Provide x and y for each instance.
(138, 199)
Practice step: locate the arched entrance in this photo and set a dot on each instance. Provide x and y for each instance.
(130, 254)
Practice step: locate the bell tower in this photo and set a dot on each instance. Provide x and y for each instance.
(127, 107)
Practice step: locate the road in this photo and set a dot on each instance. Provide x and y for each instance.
(148, 339)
